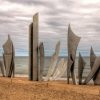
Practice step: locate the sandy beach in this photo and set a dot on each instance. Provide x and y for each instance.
(22, 89)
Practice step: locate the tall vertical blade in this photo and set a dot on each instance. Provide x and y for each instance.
(41, 66)
(94, 71)
(31, 51)
(53, 63)
(73, 42)
(81, 64)
(92, 57)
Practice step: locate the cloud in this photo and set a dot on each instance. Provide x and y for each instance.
(54, 17)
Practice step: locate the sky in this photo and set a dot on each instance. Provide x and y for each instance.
(54, 18)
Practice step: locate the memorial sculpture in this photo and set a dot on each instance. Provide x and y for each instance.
(81, 64)
(33, 49)
(76, 81)
(60, 70)
(8, 56)
(2, 68)
(73, 42)
(57, 70)
(92, 59)
(53, 62)
(41, 64)
(94, 73)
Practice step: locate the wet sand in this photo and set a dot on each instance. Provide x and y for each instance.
(22, 89)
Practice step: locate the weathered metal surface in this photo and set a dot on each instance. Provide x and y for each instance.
(73, 42)
(97, 77)
(12, 68)
(8, 45)
(53, 63)
(9, 57)
(95, 72)
(81, 64)
(59, 70)
(92, 57)
(41, 66)
(8, 60)
(2, 68)
(33, 49)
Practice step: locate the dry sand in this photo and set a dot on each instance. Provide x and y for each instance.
(22, 89)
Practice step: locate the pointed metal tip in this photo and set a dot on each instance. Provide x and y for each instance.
(91, 50)
(79, 54)
(58, 42)
(9, 37)
(41, 43)
(36, 14)
(69, 26)
(71, 31)
(31, 24)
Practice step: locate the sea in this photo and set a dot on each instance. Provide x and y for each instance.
(22, 66)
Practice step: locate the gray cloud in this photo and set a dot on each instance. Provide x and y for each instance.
(36, 3)
(54, 15)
